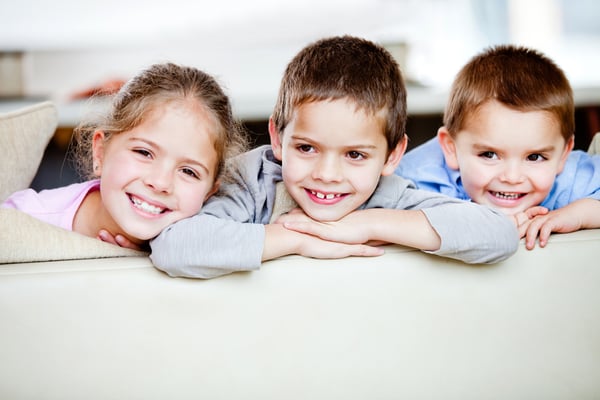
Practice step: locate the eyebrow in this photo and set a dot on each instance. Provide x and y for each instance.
(481, 147)
(351, 146)
(192, 161)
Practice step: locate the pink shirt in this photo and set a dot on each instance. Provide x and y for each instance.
(54, 206)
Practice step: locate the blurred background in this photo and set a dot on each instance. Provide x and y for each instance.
(64, 50)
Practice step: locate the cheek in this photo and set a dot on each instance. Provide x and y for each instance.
(543, 179)
(474, 183)
(364, 179)
(191, 199)
(118, 164)
(294, 168)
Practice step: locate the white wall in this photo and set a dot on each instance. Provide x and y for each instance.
(71, 45)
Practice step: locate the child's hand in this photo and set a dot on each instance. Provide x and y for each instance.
(315, 247)
(581, 214)
(296, 214)
(118, 240)
(523, 219)
(352, 229)
(280, 241)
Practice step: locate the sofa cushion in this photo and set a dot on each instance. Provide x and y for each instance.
(24, 135)
(24, 238)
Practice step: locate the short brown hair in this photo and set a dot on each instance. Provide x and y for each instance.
(518, 77)
(345, 67)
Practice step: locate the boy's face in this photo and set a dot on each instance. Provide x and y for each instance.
(332, 157)
(507, 159)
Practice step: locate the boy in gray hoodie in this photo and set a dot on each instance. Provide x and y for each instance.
(337, 134)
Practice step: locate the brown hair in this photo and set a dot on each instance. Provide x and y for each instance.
(518, 77)
(345, 67)
(154, 87)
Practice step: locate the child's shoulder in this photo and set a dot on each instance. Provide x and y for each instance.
(579, 159)
(56, 206)
(51, 197)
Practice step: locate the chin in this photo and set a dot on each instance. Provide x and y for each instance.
(139, 236)
(325, 216)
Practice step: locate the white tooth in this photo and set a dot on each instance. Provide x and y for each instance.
(320, 195)
(146, 207)
(330, 196)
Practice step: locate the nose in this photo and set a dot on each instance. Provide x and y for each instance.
(512, 173)
(159, 178)
(328, 169)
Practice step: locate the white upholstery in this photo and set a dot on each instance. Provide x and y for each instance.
(402, 326)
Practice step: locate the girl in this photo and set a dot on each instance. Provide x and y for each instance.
(153, 160)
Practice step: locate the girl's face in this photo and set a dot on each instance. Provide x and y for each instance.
(508, 159)
(157, 173)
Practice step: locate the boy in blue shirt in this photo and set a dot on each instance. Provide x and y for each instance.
(337, 135)
(507, 143)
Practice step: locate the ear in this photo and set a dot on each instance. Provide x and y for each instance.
(214, 189)
(275, 137)
(394, 157)
(448, 147)
(565, 155)
(98, 146)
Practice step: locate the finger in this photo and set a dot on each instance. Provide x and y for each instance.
(532, 234)
(368, 251)
(124, 242)
(521, 218)
(302, 227)
(105, 236)
(535, 211)
(545, 232)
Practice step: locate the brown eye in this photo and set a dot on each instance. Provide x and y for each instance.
(305, 148)
(535, 157)
(190, 172)
(143, 152)
(488, 154)
(355, 155)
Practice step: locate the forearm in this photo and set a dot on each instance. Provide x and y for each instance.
(587, 211)
(405, 227)
(279, 242)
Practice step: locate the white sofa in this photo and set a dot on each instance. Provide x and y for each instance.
(405, 325)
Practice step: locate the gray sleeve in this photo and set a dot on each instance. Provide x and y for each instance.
(473, 233)
(469, 232)
(205, 246)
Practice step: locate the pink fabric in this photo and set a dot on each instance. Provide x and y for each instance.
(55, 206)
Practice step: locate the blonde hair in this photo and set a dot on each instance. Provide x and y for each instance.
(154, 87)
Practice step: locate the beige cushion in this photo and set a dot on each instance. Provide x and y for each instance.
(24, 135)
(24, 238)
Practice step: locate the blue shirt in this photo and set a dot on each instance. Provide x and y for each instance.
(426, 167)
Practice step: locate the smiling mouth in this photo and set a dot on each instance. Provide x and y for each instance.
(508, 195)
(146, 207)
